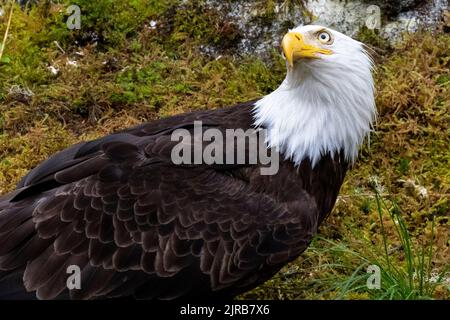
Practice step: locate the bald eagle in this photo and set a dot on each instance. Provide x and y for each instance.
(136, 224)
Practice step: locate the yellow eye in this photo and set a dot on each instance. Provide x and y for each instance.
(325, 37)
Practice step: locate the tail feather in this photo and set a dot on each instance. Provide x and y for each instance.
(16, 228)
(12, 288)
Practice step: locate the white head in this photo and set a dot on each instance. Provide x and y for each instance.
(326, 102)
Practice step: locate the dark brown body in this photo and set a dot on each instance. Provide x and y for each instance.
(138, 225)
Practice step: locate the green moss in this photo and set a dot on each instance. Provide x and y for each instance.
(195, 23)
(371, 37)
(21, 152)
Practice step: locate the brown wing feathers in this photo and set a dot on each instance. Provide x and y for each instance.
(136, 225)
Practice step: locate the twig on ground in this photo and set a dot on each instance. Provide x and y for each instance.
(5, 37)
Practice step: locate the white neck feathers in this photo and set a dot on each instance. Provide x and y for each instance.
(320, 108)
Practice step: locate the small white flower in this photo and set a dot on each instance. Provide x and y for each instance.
(53, 70)
(153, 24)
(18, 90)
(72, 63)
(422, 191)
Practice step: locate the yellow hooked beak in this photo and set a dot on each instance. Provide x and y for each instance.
(295, 48)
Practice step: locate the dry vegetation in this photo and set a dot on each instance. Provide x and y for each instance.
(118, 71)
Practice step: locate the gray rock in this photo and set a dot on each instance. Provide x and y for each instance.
(262, 27)
(259, 24)
(394, 7)
(262, 23)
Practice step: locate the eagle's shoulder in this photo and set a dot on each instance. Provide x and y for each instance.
(237, 116)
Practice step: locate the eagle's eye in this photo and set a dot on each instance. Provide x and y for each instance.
(324, 37)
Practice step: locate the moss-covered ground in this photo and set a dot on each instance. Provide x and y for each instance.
(139, 60)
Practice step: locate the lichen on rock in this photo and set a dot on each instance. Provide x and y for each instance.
(262, 23)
